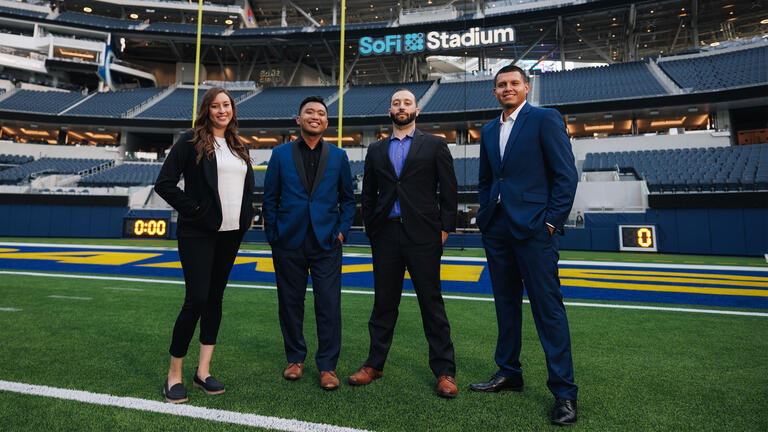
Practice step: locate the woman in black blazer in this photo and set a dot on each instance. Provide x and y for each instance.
(215, 209)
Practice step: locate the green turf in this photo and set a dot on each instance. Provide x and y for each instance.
(637, 370)
(566, 255)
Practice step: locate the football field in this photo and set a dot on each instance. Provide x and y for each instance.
(656, 345)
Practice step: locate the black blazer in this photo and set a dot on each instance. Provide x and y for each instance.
(426, 210)
(198, 204)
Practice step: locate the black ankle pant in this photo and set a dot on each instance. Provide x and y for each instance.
(206, 262)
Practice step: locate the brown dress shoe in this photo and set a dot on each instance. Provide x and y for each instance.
(446, 387)
(364, 376)
(293, 371)
(328, 380)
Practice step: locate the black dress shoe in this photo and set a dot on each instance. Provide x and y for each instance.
(499, 383)
(175, 394)
(211, 385)
(564, 412)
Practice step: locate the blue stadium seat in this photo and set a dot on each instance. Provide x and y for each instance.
(373, 100)
(127, 174)
(178, 104)
(280, 102)
(49, 102)
(718, 71)
(115, 104)
(44, 166)
(462, 96)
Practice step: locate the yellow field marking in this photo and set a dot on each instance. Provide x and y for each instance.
(81, 257)
(663, 288)
(262, 264)
(671, 277)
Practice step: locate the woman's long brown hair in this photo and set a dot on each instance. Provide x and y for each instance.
(204, 140)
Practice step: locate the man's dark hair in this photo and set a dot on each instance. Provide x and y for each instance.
(404, 89)
(511, 68)
(309, 99)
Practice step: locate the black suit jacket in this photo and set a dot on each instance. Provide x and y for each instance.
(198, 204)
(426, 210)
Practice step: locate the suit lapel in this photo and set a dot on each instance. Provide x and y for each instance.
(522, 116)
(415, 147)
(494, 149)
(325, 153)
(384, 150)
(299, 164)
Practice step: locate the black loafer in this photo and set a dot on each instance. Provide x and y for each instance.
(211, 385)
(564, 412)
(499, 383)
(175, 394)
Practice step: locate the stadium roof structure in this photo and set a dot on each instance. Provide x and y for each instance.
(292, 33)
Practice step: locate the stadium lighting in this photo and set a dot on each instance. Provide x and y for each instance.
(34, 132)
(714, 44)
(598, 128)
(669, 123)
(228, 22)
(134, 16)
(77, 54)
(764, 21)
(87, 9)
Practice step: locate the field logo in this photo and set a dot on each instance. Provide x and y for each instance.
(435, 41)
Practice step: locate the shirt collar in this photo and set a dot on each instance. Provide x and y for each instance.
(408, 135)
(514, 114)
(303, 144)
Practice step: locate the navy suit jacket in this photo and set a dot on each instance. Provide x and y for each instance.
(292, 207)
(536, 175)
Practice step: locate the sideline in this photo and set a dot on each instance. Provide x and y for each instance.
(192, 411)
(405, 294)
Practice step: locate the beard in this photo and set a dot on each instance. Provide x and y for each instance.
(408, 119)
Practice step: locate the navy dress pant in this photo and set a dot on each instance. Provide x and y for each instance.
(292, 268)
(529, 264)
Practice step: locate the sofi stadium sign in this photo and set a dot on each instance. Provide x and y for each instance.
(435, 41)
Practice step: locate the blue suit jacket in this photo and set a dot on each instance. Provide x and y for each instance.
(536, 175)
(291, 207)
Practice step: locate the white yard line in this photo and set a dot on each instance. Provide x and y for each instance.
(222, 416)
(405, 294)
(69, 297)
(123, 289)
(9, 309)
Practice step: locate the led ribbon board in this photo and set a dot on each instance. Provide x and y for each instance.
(637, 238)
(146, 227)
(435, 41)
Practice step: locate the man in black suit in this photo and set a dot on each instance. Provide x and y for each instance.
(408, 221)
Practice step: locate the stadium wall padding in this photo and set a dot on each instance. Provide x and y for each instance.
(684, 231)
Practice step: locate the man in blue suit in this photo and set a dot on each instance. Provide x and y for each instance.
(526, 187)
(308, 209)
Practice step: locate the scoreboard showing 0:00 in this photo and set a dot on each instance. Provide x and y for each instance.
(145, 228)
(636, 238)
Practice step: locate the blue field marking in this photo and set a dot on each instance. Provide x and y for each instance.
(693, 285)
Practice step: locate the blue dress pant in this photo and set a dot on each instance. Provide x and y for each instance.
(529, 264)
(292, 268)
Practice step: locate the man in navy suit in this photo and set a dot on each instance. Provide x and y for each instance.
(526, 187)
(308, 209)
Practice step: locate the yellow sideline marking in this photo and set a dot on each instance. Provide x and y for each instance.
(655, 276)
(80, 257)
(664, 288)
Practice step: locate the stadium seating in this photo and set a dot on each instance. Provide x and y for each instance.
(22, 12)
(739, 168)
(178, 104)
(280, 102)
(719, 71)
(370, 100)
(49, 102)
(462, 96)
(616, 81)
(45, 166)
(97, 21)
(127, 174)
(115, 104)
(467, 172)
(8, 159)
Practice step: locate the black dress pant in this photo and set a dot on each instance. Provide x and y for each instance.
(393, 252)
(206, 262)
(292, 267)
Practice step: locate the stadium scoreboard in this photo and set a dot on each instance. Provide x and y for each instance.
(146, 227)
(637, 238)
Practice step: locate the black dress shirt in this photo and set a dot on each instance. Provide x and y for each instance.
(310, 158)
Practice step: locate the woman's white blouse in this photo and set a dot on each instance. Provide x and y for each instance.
(231, 175)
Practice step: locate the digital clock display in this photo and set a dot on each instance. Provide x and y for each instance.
(636, 238)
(145, 228)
